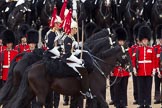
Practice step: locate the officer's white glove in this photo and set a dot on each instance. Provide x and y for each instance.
(75, 44)
(77, 52)
(134, 71)
(153, 72)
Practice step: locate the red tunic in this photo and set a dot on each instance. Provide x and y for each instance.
(158, 50)
(120, 72)
(21, 47)
(145, 60)
(8, 57)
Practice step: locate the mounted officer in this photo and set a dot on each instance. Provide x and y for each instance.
(54, 35)
(71, 53)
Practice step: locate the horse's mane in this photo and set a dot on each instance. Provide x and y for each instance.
(100, 34)
(109, 52)
(102, 44)
(89, 28)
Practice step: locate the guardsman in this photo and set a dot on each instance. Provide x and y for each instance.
(132, 51)
(53, 35)
(2, 48)
(33, 37)
(69, 47)
(158, 52)
(120, 87)
(23, 46)
(145, 62)
(9, 53)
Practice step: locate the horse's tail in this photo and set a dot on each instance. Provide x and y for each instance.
(5, 90)
(24, 95)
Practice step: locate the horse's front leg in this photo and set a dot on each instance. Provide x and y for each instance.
(38, 103)
(101, 101)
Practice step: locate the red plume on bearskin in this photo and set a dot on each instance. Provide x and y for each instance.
(63, 10)
(67, 22)
(54, 13)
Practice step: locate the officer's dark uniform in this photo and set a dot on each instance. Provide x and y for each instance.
(68, 48)
(51, 37)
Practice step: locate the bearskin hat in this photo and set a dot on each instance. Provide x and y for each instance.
(8, 36)
(144, 32)
(159, 31)
(43, 32)
(32, 36)
(121, 34)
(23, 29)
(2, 28)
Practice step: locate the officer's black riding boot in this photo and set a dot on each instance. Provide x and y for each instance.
(85, 83)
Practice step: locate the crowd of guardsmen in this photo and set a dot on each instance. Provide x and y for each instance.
(146, 59)
(146, 62)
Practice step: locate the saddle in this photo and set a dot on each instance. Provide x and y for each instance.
(59, 68)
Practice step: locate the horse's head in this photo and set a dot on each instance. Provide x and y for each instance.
(124, 59)
(137, 6)
(107, 2)
(159, 4)
(117, 56)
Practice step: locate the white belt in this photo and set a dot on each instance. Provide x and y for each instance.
(145, 61)
(6, 66)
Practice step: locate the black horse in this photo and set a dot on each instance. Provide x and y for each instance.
(5, 9)
(132, 16)
(103, 16)
(87, 11)
(18, 15)
(65, 84)
(156, 17)
(15, 74)
(118, 9)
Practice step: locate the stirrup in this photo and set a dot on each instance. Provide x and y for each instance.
(88, 94)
